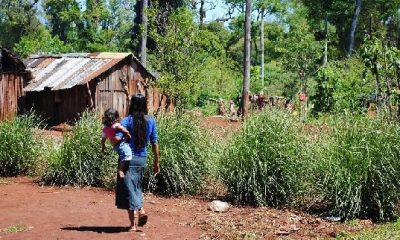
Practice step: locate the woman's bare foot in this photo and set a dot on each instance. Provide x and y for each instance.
(142, 220)
(132, 229)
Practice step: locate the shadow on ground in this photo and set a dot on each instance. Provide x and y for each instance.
(98, 229)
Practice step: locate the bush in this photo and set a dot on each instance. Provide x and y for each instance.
(360, 168)
(185, 151)
(262, 165)
(79, 161)
(19, 149)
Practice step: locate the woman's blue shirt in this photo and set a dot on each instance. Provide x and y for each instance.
(151, 134)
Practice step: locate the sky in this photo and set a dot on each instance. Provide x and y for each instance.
(218, 12)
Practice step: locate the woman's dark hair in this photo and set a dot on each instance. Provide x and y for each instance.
(110, 116)
(138, 110)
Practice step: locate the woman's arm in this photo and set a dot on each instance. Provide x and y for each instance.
(154, 146)
(156, 152)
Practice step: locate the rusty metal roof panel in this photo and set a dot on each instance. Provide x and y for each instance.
(65, 71)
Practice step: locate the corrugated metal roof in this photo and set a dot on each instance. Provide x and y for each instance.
(67, 70)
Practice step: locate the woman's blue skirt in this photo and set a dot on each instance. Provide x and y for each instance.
(129, 191)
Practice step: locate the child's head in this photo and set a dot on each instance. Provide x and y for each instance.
(110, 117)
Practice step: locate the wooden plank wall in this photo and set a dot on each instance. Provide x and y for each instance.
(11, 94)
(63, 106)
(110, 91)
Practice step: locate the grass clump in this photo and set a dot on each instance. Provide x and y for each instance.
(19, 148)
(17, 228)
(79, 160)
(383, 232)
(360, 168)
(186, 151)
(262, 164)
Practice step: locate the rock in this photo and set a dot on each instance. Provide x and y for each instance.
(218, 206)
(334, 219)
(282, 232)
(294, 228)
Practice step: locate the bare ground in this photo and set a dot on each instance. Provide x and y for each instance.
(30, 211)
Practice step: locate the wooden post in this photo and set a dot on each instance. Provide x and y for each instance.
(262, 48)
(246, 72)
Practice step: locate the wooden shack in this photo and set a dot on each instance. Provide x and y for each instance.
(12, 81)
(63, 86)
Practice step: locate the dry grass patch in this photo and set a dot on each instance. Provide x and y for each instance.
(17, 228)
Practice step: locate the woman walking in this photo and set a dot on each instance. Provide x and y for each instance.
(142, 128)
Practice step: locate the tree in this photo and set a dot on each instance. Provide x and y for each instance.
(267, 7)
(40, 41)
(246, 67)
(140, 29)
(346, 17)
(120, 23)
(17, 18)
(179, 56)
(64, 18)
(353, 26)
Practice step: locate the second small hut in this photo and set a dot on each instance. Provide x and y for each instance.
(12, 81)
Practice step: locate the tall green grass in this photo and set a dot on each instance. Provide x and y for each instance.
(79, 160)
(19, 147)
(360, 168)
(186, 155)
(262, 164)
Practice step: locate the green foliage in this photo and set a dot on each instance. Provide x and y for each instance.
(100, 26)
(79, 161)
(262, 164)
(186, 155)
(178, 57)
(17, 19)
(327, 79)
(382, 232)
(40, 41)
(19, 147)
(359, 168)
(352, 88)
(301, 51)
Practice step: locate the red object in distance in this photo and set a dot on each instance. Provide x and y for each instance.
(302, 97)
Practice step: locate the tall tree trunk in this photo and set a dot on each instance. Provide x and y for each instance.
(202, 12)
(388, 82)
(246, 72)
(143, 40)
(254, 40)
(353, 26)
(262, 48)
(325, 60)
(378, 86)
(398, 94)
(139, 31)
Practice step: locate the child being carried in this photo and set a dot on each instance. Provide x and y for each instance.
(111, 127)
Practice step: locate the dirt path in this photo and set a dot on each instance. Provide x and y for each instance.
(36, 212)
(30, 211)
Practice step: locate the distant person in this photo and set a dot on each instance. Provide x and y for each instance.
(221, 108)
(111, 127)
(129, 193)
(232, 109)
